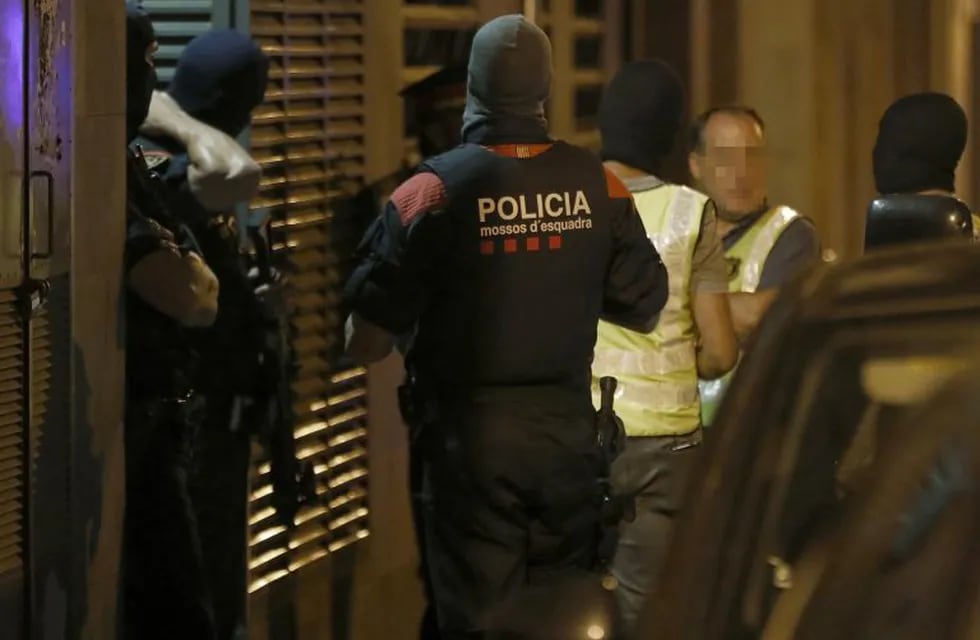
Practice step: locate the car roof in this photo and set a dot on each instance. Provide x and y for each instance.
(937, 275)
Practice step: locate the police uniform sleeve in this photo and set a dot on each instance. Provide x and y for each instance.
(797, 247)
(708, 274)
(636, 283)
(387, 285)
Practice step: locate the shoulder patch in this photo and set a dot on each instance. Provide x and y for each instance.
(615, 187)
(420, 194)
(156, 159)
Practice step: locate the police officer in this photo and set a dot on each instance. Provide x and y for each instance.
(435, 111)
(765, 245)
(434, 106)
(501, 255)
(639, 118)
(168, 289)
(220, 78)
(921, 138)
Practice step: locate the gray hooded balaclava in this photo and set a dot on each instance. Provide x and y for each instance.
(509, 79)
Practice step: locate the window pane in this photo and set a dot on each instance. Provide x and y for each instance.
(454, 3)
(437, 47)
(587, 106)
(588, 8)
(588, 52)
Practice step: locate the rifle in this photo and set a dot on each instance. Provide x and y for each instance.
(611, 440)
(293, 482)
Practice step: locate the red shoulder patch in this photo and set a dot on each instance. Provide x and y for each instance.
(520, 150)
(422, 193)
(156, 159)
(615, 187)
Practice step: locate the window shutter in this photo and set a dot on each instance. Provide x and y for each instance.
(12, 430)
(176, 23)
(309, 138)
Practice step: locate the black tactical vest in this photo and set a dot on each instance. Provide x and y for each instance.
(230, 349)
(521, 252)
(160, 361)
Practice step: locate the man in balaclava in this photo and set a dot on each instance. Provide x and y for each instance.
(220, 78)
(435, 104)
(168, 290)
(639, 119)
(921, 138)
(498, 258)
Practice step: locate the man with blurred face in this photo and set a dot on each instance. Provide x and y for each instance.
(765, 245)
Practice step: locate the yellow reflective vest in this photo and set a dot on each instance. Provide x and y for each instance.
(657, 393)
(747, 257)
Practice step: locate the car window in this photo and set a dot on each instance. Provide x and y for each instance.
(861, 385)
(902, 561)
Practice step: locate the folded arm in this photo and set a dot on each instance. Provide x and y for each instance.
(222, 173)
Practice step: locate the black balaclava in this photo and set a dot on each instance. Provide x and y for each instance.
(141, 77)
(220, 78)
(921, 138)
(640, 114)
(509, 79)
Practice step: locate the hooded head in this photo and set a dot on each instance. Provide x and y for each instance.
(220, 78)
(509, 79)
(921, 138)
(640, 114)
(141, 76)
(437, 102)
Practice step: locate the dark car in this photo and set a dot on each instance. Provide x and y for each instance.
(838, 493)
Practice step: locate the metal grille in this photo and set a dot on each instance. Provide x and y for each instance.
(12, 476)
(309, 137)
(176, 23)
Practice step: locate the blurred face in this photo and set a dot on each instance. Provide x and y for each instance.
(731, 165)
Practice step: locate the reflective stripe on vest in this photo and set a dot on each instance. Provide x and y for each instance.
(669, 358)
(657, 372)
(763, 237)
(751, 251)
(662, 398)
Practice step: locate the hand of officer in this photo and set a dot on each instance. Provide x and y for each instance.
(222, 173)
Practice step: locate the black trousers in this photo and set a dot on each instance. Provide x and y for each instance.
(655, 471)
(218, 490)
(165, 593)
(514, 502)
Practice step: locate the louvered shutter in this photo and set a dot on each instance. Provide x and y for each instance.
(177, 22)
(309, 135)
(12, 430)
